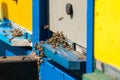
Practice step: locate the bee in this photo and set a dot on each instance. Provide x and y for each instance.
(10, 39)
(55, 51)
(4, 57)
(53, 43)
(23, 58)
(68, 48)
(54, 35)
(35, 46)
(54, 39)
(58, 40)
(41, 42)
(64, 44)
(29, 40)
(40, 48)
(83, 51)
(12, 30)
(17, 33)
(62, 35)
(4, 31)
(61, 40)
(53, 46)
(49, 40)
(42, 54)
(57, 44)
(6, 34)
(47, 27)
(58, 33)
(14, 34)
(61, 18)
(40, 61)
(9, 24)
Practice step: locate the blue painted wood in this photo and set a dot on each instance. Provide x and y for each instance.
(52, 72)
(5, 46)
(63, 57)
(7, 50)
(40, 19)
(36, 21)
(90, 23)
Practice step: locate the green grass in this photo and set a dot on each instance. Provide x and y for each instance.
(97, 75)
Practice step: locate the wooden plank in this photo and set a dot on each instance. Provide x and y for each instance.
(22, 43)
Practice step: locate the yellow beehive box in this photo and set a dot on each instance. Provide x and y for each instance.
(19, 12)
(1, 12)
(107, 31)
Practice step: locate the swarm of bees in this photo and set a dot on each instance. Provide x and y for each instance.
(58, 39)
(39, 48)
(15, 33)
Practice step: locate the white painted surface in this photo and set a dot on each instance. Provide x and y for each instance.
(75, 28)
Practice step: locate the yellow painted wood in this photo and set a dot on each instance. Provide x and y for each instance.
(1, 12)
(107, 31)
(20, 13)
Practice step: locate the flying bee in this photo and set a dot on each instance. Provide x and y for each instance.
(61, 18)
(47, 27)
